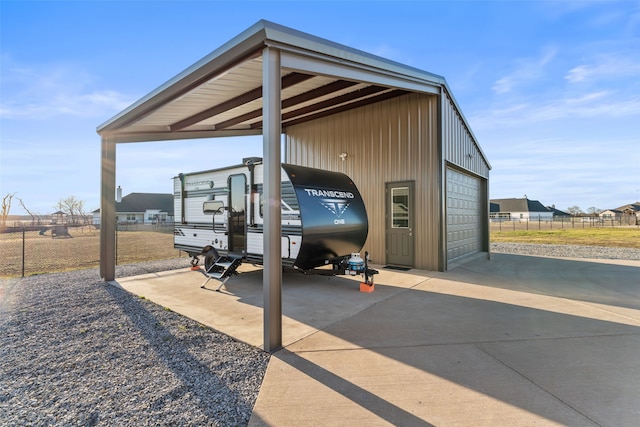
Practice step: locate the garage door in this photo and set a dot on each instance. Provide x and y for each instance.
(464, 228)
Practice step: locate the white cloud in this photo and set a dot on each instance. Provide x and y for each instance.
(604, 67)
(51, 90)
(601, 104)
(527, 70)
(573, 169)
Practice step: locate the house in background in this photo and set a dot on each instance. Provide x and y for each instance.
(518, 209)
(558, 212)
(630, 211)
(142, 208)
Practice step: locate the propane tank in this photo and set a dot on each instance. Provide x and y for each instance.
(356, 263)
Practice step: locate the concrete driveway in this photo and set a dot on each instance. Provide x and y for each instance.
(516, 340)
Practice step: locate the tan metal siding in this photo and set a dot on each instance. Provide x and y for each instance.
(460, 147)
(391, 141)
(462, 151)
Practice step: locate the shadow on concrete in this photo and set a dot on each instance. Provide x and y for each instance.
(384, 409)
(570, 368)
(556, 338)
(602, 282)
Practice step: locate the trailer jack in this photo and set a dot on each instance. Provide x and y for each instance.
(367, 285)
(194, 263)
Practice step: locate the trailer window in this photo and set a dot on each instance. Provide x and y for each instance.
(289, 199)
(283, 206)
(212, 207)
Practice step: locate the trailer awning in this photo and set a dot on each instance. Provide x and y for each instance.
(221, 95)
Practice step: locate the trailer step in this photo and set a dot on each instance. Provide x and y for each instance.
(222, 270)
(225, 264)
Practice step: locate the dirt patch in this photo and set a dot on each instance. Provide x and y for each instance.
(42, 253)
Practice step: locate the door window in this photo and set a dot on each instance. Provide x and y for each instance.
(400, 207)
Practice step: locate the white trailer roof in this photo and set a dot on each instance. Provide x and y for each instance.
(221, 95)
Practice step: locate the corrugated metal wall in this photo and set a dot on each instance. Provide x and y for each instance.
(391, 141)
(459, 145)
(462, 152)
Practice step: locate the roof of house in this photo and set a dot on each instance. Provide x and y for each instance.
(517, 205)
(634, 207)
(141, 202)
(558, 212)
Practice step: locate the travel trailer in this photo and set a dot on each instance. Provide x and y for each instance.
(219, 216)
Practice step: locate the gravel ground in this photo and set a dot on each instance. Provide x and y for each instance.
(594, 252)
(75, 351)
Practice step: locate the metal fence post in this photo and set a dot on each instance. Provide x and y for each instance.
(23, 248)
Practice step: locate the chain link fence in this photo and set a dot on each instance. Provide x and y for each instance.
(515, 224)
(27, 250)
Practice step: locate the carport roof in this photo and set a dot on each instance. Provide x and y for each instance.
(221, 95)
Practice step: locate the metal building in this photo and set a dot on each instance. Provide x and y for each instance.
(395, 130)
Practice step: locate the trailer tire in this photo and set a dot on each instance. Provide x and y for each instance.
(210, 258)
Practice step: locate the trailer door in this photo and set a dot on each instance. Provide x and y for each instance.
(237, 214)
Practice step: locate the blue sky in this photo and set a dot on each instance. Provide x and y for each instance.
(551, 89)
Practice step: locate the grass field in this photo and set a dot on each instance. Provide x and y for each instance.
(625, 237)
(44, 254)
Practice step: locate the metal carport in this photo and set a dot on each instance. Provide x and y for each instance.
(265, 79)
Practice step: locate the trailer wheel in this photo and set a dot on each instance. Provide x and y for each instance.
(210, 258)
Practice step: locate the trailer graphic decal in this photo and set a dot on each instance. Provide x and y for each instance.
(329, 193)
(198, 185)
(335, 206)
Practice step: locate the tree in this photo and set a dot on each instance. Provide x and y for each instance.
(574, 210)
(73, 208)
(593, 211)
(35, 218)
(5, 208)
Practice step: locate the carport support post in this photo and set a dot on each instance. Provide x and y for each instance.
(108, 211)
(272, 274)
